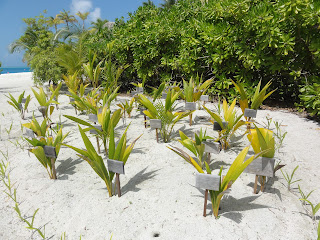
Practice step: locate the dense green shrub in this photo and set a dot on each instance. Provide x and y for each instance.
(45, 67)
(37, 42)
(310, 98)
(228, 39)
(240, 40)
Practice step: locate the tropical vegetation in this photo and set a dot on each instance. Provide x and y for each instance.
(272, 40)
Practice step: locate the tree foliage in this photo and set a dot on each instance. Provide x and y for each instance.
(37, 42)
(240, 40)
(247, 41)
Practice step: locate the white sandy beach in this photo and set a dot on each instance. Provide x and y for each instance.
(159, 197)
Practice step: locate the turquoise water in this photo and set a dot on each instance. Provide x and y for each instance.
(15, 70)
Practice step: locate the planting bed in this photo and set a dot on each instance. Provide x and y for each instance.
(159, 198)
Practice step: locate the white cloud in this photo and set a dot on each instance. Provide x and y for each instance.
(80, 6)
(95, 14)
(85, 6)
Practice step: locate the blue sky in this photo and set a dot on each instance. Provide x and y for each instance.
(12, 12)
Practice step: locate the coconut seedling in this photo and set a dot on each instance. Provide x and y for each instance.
(232, 119)
(120, 152)
(127, 107)
(192, 91)
(196, 146)
(255, 101)
(108, 95)
(235, 170)
(44, 103)
(105, 118)
(55, 91)
(93, 72)
(40, 130)
(164, 112)
(157, 92)
(140, 86)
(111, 71)
(45, 142)
(262, 140)
(72, 81)
(75, 86)
(89, 103)
(17, 103)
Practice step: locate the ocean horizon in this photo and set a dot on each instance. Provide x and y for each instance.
(6, 70)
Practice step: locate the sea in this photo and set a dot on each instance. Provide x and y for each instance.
(14, 70)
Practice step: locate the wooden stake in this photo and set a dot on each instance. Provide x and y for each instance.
(157, 135)
(190, 122)
(22, 114)
(98, 144)
(54, 174)
(118, 184)
(249, 125)
(255, 185)
(209, 157)
(205, 203)
(262, 183)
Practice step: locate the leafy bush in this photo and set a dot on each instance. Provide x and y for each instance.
(310, 98)
(241, 40)
(45, 67)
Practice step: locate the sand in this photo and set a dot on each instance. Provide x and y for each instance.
(159, 198)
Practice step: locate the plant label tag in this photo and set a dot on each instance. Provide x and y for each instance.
(208, 181)
(50, 151)
(139, 89)
(204, 98)
(115, 166)
(252, 113)
(217, 127)
(261, 166)
(93, 117)
(133, 93)
(191, 106)
(211, 147)
(42, 109)
(29, 133)
(155, 123)
(142, 109)
(93, 131)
